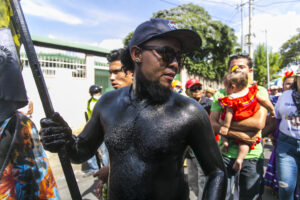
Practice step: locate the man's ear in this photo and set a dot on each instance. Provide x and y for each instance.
(136, 54)
(251, 70)
(129, 73)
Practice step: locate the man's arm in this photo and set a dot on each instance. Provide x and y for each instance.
(250, 136)
(89, 140)
(214, 119)
(270, 127)
(252, 124)
(202, 141)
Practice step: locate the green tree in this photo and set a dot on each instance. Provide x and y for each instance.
(290, 51)
(260, 65)
(218, 40)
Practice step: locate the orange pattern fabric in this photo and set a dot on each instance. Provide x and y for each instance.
(28, 174)
(243, 107)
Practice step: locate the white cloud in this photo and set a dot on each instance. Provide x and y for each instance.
(51, 36)
(96, 17)
(48, 11)
(110, 44)
(279, 28)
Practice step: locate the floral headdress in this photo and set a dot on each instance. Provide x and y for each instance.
(288, 74)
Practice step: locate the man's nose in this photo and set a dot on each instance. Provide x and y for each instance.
(175, 65)
(112, 76)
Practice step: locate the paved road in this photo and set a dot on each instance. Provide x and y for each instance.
(87, 184)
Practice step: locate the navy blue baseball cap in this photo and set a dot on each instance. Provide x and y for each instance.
(156, 28)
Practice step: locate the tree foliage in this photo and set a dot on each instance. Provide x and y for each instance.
(218, 40)
(260, 65)
(290, 51)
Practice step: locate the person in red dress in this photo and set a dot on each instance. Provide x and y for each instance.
(241, 103)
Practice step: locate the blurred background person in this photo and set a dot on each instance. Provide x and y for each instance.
(177, 86)
(95, 92)
(121, 75)
(209, 93)
(274, 94)
(288, 80)
(194, 90)
(25, 172)
(272, 130)
(196, 176)
(287, 152)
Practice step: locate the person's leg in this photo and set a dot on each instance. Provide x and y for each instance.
(243, 151)
(104, 154)
(192, 175)
(251, 179)
(287, 169)
(228, 162)
(92, 162)
(201, 182)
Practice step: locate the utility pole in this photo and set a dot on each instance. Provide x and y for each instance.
(242, 26)
(268, 68)
(250, 28)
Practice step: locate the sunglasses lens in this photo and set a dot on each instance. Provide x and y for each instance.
(169, 56)
(194, 89)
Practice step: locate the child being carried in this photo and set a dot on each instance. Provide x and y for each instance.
(242, 102)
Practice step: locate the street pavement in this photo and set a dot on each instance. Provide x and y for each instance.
(87, 183)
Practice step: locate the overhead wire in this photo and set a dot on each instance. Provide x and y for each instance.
(216, 17)
(278, 2)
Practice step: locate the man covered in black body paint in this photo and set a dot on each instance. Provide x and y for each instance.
(147, 127)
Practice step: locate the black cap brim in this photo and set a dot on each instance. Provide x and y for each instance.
(190, 40)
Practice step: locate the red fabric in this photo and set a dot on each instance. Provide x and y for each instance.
(218, 137)
(243, 107)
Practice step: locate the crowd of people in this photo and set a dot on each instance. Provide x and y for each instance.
(235, 147)
(149, 125)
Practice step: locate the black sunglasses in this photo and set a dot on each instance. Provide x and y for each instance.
(167, 54)
(195, 88)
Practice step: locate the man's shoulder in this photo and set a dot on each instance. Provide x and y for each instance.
(262, 91)
(215, 106)
(114, 96)
(186, 103)
(262, 88)
(121, 91)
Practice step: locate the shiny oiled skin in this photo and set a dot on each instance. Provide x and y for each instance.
(147, 143)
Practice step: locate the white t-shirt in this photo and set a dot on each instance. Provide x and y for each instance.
(286, 111)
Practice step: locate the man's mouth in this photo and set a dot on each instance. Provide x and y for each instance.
(169, 76)
(115, 86)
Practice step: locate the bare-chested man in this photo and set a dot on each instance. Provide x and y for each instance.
(147, 127)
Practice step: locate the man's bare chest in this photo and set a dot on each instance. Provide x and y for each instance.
(149, 132)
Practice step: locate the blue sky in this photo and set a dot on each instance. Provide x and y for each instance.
(105, 23)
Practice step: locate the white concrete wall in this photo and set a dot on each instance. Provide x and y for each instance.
(69, 96)
(185, 76)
